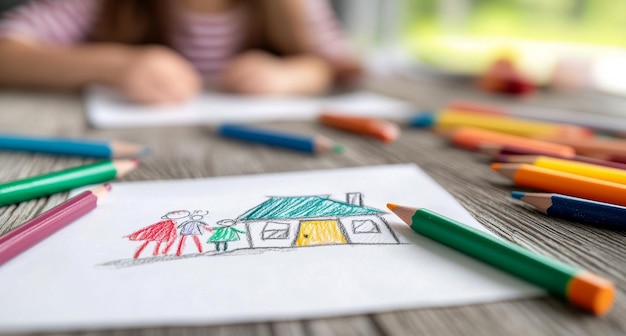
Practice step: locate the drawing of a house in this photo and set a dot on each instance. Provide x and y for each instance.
(315, 220)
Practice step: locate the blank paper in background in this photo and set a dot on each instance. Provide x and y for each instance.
(108, 109)
(85, 276)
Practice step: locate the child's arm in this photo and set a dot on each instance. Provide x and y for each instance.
(317, 53)
(145, 74)
(26, 65)
(258, 72)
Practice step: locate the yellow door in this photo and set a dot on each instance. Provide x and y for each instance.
(319, 232)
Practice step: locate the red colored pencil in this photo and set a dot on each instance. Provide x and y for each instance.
(495, 150)
(49, 222)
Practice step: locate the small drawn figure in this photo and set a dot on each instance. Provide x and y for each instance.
(161, 232)
(192, 227)
(224, 234)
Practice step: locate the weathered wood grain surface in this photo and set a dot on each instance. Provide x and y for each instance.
(194, 152)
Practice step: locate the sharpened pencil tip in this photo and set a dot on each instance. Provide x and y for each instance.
(338, 149)
(136, 162)
(496, 166)
(518, 194)
(391, 206)
(107, 186)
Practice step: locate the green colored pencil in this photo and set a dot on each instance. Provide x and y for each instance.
(63, 180)
(579, 287)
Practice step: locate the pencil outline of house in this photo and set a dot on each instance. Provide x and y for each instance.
(367, 223)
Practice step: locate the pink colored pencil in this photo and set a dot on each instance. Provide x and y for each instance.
(49, 222)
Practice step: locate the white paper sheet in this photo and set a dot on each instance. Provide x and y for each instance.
(108, 109)
(85, 276)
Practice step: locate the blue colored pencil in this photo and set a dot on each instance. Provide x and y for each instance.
(576, 209)
(306, 143)
(66, 146)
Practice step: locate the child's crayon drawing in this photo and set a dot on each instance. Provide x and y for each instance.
(193, 227)
(224, 233)
(160, 232)
(278, 223)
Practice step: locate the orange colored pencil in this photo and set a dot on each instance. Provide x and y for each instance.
(381, 129)
(563, 183)
(473, 138)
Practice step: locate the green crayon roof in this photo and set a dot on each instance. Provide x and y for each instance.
(305, 207)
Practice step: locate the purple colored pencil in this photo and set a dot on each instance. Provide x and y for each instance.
(49, 222)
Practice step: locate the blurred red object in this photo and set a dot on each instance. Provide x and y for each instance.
(503, 77)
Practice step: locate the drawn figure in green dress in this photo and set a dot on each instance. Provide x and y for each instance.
(224, 233)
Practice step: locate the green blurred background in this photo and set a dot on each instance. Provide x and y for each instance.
(464, 36)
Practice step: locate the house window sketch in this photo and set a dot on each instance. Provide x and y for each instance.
(276, 230)
(279, 222)
(365, 226)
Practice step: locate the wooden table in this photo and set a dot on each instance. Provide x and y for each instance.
(194, 152)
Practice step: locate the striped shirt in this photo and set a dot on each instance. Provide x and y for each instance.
(209, 42)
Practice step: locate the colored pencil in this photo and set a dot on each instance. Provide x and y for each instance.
(574, 167)
(579, 287)
(63, 180)
(305, 143)
(506, 153)
(450, 119)
(471, 107)
(380, 129)
(77, 147)
(596, 147)
(472, 138)
(49, 222)
(576, 209)
(494, 150)
(555, 181)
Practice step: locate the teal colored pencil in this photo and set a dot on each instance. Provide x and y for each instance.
(270, 137)
(63, 180)
(67, 146)
(579, 287)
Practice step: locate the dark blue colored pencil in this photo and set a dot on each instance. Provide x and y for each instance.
(306, 143)
(65, 146)
(576, 209)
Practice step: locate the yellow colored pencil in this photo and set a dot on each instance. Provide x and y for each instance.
(574, 167)
(450, 119)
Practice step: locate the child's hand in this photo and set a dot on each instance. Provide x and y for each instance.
(157, 75)
(257, 72)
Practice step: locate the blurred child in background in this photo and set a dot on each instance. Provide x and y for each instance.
(162, 51)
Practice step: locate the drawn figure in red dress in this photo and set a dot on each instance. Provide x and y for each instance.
(161, 232)
(193, 227)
